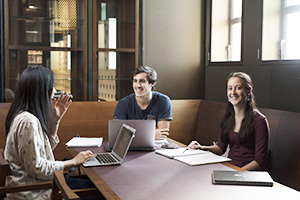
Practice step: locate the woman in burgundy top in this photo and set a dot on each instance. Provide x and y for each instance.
(243, 127)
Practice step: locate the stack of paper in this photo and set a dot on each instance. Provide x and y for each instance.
(192, 157)
(85, 142)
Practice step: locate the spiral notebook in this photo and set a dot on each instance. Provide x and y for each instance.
(250, 178)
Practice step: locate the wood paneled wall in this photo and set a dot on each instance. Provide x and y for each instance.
(90, 118)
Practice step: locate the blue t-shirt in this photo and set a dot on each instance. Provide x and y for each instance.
(159, 108)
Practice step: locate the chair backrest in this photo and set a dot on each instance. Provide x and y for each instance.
(209, 117)
(4, 168)
(6, 171)
(61, 189)
(284, 148)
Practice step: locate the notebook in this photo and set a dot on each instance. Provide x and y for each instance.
(251, 178)
(144, 139)
(119, 151)
(192, 157)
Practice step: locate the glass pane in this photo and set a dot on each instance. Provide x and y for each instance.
(59, 62)
(31, 7)
(236, 42)
(292, 2)
(106, 77)
(292, 36)
(35, 57)
(33, 31)
(236, 8)
(61, 67)
(51, 34)
(271, 30)
(226, 30)
(116, 48)
(280, 34)
(115, 30)
(107, 33)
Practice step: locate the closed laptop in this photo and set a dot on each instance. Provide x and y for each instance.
(251, 178)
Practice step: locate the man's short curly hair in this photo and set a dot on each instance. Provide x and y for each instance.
(151, 73)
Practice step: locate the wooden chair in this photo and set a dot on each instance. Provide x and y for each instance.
(5, 171)
(61, 190)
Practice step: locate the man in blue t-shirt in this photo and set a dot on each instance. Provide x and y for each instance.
(145, 103)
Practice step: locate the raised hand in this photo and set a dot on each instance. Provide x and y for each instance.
(61, 106)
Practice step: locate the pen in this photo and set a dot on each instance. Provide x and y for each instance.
(185, 150)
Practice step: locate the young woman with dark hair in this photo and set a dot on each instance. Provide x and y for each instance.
(31, 127)
(243, 127)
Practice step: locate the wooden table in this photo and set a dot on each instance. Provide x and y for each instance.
(147, 175)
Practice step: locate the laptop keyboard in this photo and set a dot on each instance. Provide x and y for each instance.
(106, 158)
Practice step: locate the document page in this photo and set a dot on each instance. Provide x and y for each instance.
(201, 159)
(85, 142)
(171, 153)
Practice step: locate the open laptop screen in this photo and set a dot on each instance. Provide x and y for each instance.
(123, 141)
(144, 136)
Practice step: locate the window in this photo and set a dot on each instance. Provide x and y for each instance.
(280, 39)
(226, 30)
(55, 34)
(117, 51)
(270, 53)
(47, 33)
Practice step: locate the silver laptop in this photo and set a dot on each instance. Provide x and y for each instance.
(144, 139)
(119, 151)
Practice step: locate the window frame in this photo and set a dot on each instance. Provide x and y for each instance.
(283, 16)
(231, 22)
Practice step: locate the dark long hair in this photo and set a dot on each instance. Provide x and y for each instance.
(33, 94)
(247, 126)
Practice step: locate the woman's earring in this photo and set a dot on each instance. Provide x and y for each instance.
(248, 98)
